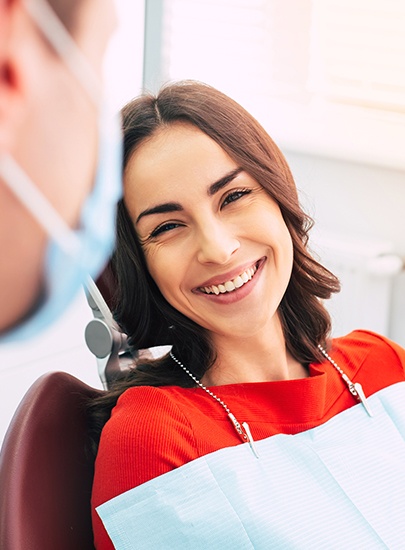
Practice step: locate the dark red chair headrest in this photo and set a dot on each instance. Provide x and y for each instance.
(46, 469)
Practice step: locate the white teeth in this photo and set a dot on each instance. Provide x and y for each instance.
(230, 286)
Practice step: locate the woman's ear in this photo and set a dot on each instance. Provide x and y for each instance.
(11, 72)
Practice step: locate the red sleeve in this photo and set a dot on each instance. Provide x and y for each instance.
(398, 350)
(147, 436)
(380, 361)
(386, 349)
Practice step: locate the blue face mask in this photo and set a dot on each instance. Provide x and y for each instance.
(72, 255)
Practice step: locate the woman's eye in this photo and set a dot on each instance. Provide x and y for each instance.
(164, 228)
(235, 195)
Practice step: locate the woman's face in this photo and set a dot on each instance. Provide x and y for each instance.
(215, 243)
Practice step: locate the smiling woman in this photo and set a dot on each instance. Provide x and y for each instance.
(212, 259)
(189, 140)
(215, 225)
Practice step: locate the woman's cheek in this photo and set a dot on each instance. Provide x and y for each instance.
(162, 268)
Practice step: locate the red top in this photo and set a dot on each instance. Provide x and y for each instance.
(155, 430)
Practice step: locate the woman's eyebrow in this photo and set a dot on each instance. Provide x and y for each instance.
(160, 209)
(177, 207)
(222, 182)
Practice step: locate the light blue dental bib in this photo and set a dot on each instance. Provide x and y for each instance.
(338, 486)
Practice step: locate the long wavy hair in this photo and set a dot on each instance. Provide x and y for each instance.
(141, 310)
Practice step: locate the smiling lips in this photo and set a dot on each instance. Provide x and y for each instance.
(230, 286)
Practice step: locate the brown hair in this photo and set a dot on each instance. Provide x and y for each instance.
(142, 312)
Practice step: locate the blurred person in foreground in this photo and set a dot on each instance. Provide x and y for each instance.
(60, 157)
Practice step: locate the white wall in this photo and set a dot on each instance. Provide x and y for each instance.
(357, 200)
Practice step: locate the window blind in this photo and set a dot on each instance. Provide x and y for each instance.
(359, 52)
(324, 64)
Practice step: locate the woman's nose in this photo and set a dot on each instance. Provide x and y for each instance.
(217, 243)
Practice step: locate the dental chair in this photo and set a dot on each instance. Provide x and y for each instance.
(46, 465)
(46, 469)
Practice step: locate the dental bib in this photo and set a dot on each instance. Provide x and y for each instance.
(338, 486)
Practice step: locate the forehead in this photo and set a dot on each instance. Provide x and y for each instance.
(178, 159)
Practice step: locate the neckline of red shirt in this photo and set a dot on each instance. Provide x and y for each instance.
(307, 399)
